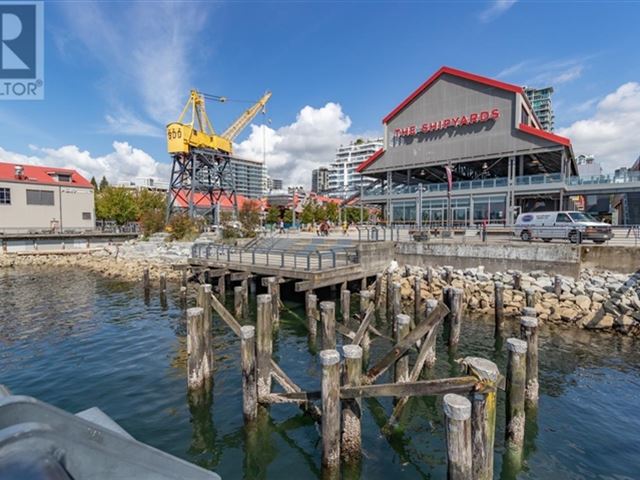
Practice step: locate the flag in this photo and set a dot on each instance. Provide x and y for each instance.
(449, 178)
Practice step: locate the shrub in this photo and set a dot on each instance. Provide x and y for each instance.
(182, 227)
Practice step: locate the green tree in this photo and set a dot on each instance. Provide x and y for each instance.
(308, 214)
(104, 183)
(288, 216)
(249, 217)
(320, 213)
(94, 183)
(273, 215)
(332, 211)
(353, 214)
(181, 226)
(118, 204)
(151, 211)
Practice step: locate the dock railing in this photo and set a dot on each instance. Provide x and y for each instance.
(309, 260)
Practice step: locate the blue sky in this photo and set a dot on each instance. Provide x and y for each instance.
(117, 72)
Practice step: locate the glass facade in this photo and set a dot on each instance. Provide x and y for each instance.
(464, 211)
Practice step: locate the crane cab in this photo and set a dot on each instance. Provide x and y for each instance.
(183, 138)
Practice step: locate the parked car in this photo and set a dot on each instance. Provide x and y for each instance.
(572, 226)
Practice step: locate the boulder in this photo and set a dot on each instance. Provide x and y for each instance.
(583, 302)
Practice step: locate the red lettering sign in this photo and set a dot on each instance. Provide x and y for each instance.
(470, 119)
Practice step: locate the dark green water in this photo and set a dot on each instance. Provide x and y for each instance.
(78, 340)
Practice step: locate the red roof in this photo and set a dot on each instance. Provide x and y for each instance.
(370, 160)
(456, 73)
(202, 200)
(552, 137)
(41, 175)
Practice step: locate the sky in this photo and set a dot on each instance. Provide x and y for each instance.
(117, 72)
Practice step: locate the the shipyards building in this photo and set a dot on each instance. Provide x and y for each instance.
(466, 148)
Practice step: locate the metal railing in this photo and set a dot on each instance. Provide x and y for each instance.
(311, 260)
(378, 234)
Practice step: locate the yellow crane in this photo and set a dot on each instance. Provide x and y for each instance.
(199, 133)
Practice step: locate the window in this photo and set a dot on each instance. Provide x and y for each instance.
(39, 197)
(64, 177)
(86, 215)
(525, 117)
(5, 196)
(563, 218)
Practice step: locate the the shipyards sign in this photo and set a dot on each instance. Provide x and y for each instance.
(450, 122)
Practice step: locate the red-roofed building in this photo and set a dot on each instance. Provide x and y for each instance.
(39, 199)
(463, 149)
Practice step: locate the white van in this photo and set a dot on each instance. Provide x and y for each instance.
(563, 225)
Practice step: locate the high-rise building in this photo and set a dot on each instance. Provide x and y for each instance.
(276, 184)
(588, 167)
(248, 177)
(344, 181)
(540, 99)
(320, 180)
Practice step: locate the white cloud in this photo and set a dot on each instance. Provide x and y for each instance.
(495, 9)
(146, 50)
(123, 163)
(536, 73)
(611, 134)
(293, 150)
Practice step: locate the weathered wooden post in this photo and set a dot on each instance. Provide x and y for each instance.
(454, 302)
(312, 314)
(483, 416)
(389, 307)
(457, 411)
(328, 318)
(185, 279)
(557, 285)
(273, 289)
(345, 305)
(204, 302)
(417, 298)
(499, 308)
(249, 381)
(517, 281)
(330, 361)
(145, 279)
(401, 371)
(198, 369)
(237, 301)
(245, 295)
(396, 306)
(378, 288)
(529, 297)
(222, 285)
(429, 276)
(515, 417)
(163, 283)
(529, 312)
(529, 333)
(363, 283)
(430, 359)
(351, 408)
(264, 344)
(366, 298)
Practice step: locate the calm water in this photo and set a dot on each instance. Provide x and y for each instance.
(78, 340)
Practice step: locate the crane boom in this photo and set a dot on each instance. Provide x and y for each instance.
(199, 133)
(236, 127)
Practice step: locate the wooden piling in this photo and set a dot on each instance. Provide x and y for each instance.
(345, 305)
(454, 302)
(515, 414)
(417, 298)
(145, 279)
(429, 276)
(363, 283)
(264, 344)
(245, 296)
(366, 298)
(430, 359)
(249, 380)
(529, 297)
(222, 283)
(198, 371)
(312, 314)
(396, 306)
(448, 274)
(457, 411)
(204, 302)
(483, 415)
(273, 289)
(378, 289)
(328, 318)
(389, 296)
(185, 279)
(517, 281)
(499, 308)
(351, 447)
(557, 285)
(529, 312)
(401, 371)
(238, 301)
(330, 361)
(163, 283)
(529, 333)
